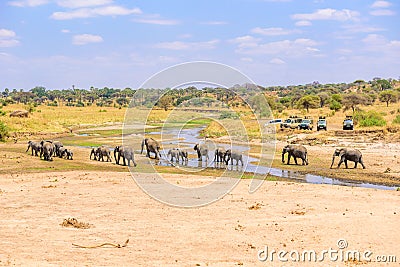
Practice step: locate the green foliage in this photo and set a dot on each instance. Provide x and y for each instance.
(335, 105)
(388, 96)
(337, 98)
(370, 118)
(79, 104)
(3, 131)
(308, 101)
(353, 100)
(52, 104)
(397, 120)
(228, 115)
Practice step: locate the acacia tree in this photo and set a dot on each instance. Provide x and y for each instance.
(308, 101)
(352, 100)
(388, 96)
(323, 98)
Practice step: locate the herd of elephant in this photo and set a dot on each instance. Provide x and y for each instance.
(344, 154)
(47, 149)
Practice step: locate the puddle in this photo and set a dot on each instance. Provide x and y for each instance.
(186, 139)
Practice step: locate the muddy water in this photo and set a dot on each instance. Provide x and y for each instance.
(187, 138)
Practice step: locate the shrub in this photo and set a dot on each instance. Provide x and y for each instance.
(52, 104)
(370, 118)
(335, 105)
(3, 131)
(397, 120)
(228, 115)
(79, 104)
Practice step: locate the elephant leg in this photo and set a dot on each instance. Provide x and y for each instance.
(340, 162)
(288, 159)
(345, 163)
(295, 159)
(355, 164)
(362, 163)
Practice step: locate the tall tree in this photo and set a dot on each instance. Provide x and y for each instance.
(308, 101)
(353, 100)
(388, 96)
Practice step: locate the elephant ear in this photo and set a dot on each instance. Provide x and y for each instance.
(342, 152)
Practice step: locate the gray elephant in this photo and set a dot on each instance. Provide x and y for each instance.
(35, 146)
(295, 151)
(174, 154)
(348, 155)
(101, 152)
(66, 153)
(202, 150)
(184, 155)
(57, 145)
(47, 150)
(233, 155)
(151, 146)
(219, 154)
(126, 153)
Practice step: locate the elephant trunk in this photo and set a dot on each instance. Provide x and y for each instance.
(333, 160)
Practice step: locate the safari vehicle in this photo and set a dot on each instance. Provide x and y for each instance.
(273, 122)
(292, 122)
(321, 124)
(306, 123)
(348, 123)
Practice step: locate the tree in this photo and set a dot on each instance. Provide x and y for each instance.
(39, 91)
(323, 97)
(384, 84)
(308, 101)
(388, 96)
(352, 100)
(165, 102)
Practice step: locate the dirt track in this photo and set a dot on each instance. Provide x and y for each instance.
(227, 233)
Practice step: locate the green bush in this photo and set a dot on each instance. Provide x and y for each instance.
(3, 131)
(52, 104)
(397, 120)
(228, 115)
(370, 118)
(335, 105)
(79, 104)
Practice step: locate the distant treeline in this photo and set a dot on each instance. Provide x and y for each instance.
(279, 98)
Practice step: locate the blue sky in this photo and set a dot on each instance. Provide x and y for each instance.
(115, 43)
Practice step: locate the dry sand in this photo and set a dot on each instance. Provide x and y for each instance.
(230, 232)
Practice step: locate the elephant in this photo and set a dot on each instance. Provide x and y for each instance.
(126, 153)
(233, 155)
(295, 151)
(101, 152)
(35, 146)
(202, 150)
(57, 145)
(47, 150)
(174, 154)
(93, 152)
(348, 155)
(184, 155)
(219, 154)
(67, 153)
(151, 146)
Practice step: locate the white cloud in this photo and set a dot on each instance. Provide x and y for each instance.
(65, 31)
(157, 21)
(7, 38)
(272, 31)
(381, 4)
(94, 12)
(379, 44)
(277, 61)
(278, 0)
(382, 12)
(245, 41)
(28, 3)
(82, 3)
(359, 28)
(246, 59)
(82, 39)
(178, 45)
(302, 23)
(328, 14)
(294, 48)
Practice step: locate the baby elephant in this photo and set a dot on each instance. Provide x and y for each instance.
(219, 154)
(233, 155)
(65, 153)
(295, 151)
(348, 154)
(177, 153)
